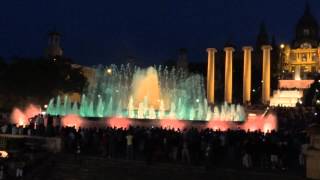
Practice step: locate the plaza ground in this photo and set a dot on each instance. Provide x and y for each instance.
(70, 167)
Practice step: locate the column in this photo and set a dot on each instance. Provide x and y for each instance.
(266, 49)
(210, 74)
(247, 74)
(228, 74)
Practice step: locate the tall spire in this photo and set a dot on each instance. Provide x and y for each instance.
(263, 37)
(306, 29)
(307, 8)
(54, 50)
(273, 42)
(182, 62)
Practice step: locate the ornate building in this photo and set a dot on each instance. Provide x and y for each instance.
(300, 59)
(299, 62)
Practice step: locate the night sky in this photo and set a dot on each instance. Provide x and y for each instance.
(104, 32)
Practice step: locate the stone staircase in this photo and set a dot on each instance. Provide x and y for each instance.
(286, 98)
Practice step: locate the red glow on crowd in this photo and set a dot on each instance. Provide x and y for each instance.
(263, 123)
(253, 123)
(221, 125)
(118, 122)
(172, 124)
(72, 120)
(270, 123)
(21, 117)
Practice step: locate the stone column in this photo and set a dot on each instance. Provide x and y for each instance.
(210, 74)
(247, 74)
(228, 74)
(266, 62)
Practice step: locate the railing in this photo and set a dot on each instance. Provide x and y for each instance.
(51, 144)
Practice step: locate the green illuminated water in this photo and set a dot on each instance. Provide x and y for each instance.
(153, 93)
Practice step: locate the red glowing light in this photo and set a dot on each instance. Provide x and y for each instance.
(172, 124)
(72, 120)
(270, 123)
(220, 125)
(263, 123)
(118, 122)
(21, 117)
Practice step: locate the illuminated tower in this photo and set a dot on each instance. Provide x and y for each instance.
(210, 74)
(228, 74)
(247, 74)
(54, 50)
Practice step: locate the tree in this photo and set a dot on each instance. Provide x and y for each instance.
(37, 80)
(313, 93)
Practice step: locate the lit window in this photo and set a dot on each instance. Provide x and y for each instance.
(293, 57)
(314, 57)
(303, 57)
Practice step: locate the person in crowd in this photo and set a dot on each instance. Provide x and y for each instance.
(129, 142)
(78, 151)
(302, 154)
(19, 169)
(208, 156)
(185, 154)
(14, 130)
(1, 172)
(246, 161)
(4, 128)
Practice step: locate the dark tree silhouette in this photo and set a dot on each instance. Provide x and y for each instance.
(313, 93)
(37, 80)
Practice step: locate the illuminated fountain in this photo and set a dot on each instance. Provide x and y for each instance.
(153, 93)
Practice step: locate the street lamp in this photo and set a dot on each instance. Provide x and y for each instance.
(281, 60)
(109, 71)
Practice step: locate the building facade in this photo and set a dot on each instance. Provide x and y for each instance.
(300, 59)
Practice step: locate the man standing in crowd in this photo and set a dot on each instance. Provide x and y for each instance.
(129, 138)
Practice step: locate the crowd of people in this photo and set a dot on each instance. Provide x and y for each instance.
(296, 119)
(283, 149)
(233, 148)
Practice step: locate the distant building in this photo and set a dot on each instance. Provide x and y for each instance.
(300, 59)
(299, 62)
(54, 51)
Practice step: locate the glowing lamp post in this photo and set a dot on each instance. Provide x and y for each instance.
(109, 71)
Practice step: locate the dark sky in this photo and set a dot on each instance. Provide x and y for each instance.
(107, 31)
